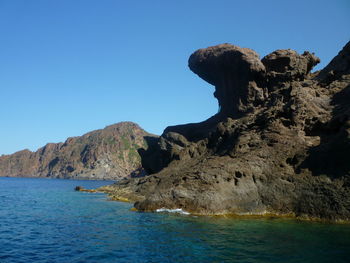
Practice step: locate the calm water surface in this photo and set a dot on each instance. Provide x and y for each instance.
(45, 220)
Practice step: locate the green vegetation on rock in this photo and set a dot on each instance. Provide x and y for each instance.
(109, 153)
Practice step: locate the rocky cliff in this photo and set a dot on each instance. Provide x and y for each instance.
(109, 153)
(280, 143)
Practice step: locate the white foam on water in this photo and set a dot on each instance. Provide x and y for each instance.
(176, 210)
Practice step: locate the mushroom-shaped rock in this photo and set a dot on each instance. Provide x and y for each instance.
(287, 64)
(237, 74)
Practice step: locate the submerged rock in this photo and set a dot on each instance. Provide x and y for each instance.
(78, 188)
(82, 189)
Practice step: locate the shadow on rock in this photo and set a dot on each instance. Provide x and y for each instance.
(331, 156)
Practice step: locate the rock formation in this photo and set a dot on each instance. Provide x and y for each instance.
(236, 74)
(110, 153)
(280, 143)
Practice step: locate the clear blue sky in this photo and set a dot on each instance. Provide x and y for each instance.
(68, 67)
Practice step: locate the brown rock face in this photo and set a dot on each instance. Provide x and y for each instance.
(339, 66)
(110, 153)
(281, 143)
(236, 74)
(287, 64)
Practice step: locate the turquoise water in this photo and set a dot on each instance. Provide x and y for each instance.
(45, 220)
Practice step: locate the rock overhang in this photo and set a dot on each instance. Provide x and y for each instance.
(213, 63)
(241, 79)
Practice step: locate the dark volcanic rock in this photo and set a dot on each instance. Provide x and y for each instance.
(236, 74)
(110, 153)
(339, 66)
(287, 64)
(280, 144)
(78, 188)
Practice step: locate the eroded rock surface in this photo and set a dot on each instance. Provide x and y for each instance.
(109, 153)
(236, 73)
(287, 64)
(280, 144)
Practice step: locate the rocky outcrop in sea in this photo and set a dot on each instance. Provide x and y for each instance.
(280, 143)
(110, 153)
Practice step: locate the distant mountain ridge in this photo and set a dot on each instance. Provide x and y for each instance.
(109, 153)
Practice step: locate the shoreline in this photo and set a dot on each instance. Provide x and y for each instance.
(266, 214)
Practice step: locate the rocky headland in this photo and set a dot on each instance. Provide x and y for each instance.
(110, 153)
(280, 143)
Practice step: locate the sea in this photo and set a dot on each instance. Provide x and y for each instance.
(45, 220)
